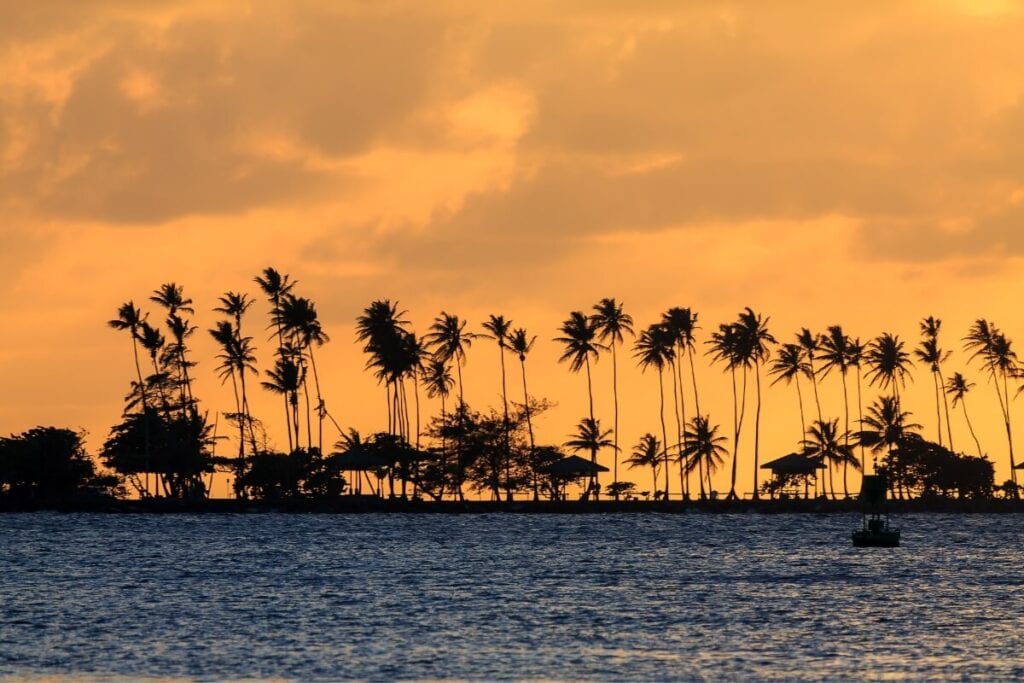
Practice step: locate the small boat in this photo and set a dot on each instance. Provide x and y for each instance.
(875, 531)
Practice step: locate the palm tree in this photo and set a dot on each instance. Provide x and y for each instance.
(382, 328)
(727, 347)
(835, 346)
(888, 364)
(237, 359)
(810, 343)
(276, 286)
(855, 359)
(286, 378)
(130, 318)
(824, 443)
(172, 297)
(236, 305)
(299, 323)
(681, 322)
(957, 386)
(521, 344)
(885, 427)
(788, 365)
(499, 328)
(449, 341)
(612, 324)
(590, 437)
(756, 339)
(931, 355)
(647, 453)
(654, 348)
(996, 353)
(703, 445)
(437, 379)
(580, 341)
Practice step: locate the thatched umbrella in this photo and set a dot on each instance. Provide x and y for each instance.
(360, 460)
(794, 464)
(570, 468)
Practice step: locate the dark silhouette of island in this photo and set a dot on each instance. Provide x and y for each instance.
(163, 447)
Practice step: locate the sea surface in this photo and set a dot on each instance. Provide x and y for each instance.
(567, 597)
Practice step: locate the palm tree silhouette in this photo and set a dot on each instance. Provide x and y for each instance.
(835, 346)
(276, 286)
(499, 328)
(753, 330)
(888, 364)
(236, 305)
(855, 359)
(957, 386)
(681, 322)
(726, 347)
(437, 378)
(929, 353)
(788, 365)
(236, 359)
(299, 323)
(580, 341)
(612, 324)
(810, 343)
(824, 443)
(996, 352)
(654, 348)
(172, 297)
(702, 447)
(884, 428)
(449, 341)
(382, 329)
(590, 437)
(286, 378)
(647, 453)
(131, 319)
(521, 344)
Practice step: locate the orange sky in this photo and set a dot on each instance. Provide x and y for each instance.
(853, 163)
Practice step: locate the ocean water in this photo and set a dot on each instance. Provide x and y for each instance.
(607, 597)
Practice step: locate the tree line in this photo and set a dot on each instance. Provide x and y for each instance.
(164, 443)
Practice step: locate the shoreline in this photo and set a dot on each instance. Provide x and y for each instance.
(363, 505)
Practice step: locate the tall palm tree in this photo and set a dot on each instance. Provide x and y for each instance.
(788, 366)
(681, 322)
(381, 328)
(884, 428)
(276, 286)
(654, 347)
(590, 437)
(835, 346)
(172, 297)
(810, 343)
(437, 379)
(756, 342)
(824, 443)
(298, 321)
(285, 379)
(237, 359)
(498, 328)
(855, 359)
(702, 446)
(521, 344)
(579, 336)
(957, 386)
(929, 353)
(131, 319)
(612, 324)
(727, 347)
(996, 353)
(647, 453)
(236, 305)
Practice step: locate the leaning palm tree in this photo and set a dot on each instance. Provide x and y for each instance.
(521, 344)
(811, 344)
(131, 319)
(498, 329)
(727, 346)
(579, 336)
(957, 386)
(855, 359)
(995, 351)
(824, 443)
(788, 366)
(835, 346)
(612, 324)
(655, 347)
(276, 286)
(929, 353)
(590, 437)
(756, 341)
(647, 453)
(702, 447)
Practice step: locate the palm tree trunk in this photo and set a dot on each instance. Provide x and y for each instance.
(800, 400)
(615, 398)
(679, 426)
(461, 412)
(319, 402)
(1009, 430)
(814, 384)
(309, 423)
(963, 400)
(846, 427)
(664, 431)
(757, 427)
(508, 444)
(590, 396)
(945, 403)
(529, 427)
(145, 407)
(1004, 408)
(860, 422)
(684, 472)
(735, 433)
(247, 414)
(444, 448)
(938, 405)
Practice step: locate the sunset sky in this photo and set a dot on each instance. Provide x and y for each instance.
(824, 163)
